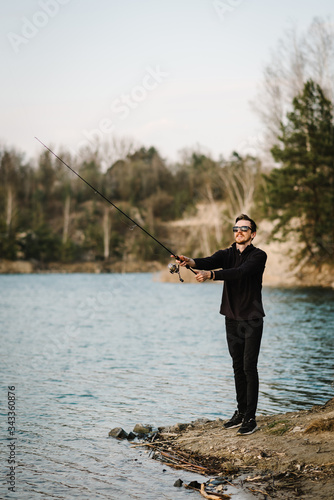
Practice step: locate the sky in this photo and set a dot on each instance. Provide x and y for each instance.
(173, 74)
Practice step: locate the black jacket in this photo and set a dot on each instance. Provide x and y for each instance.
(242, 274)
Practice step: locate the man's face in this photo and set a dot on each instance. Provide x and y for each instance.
(243, 237)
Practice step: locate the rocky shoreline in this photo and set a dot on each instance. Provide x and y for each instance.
(290, 456)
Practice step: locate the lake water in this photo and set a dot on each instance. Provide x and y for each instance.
(87, 353)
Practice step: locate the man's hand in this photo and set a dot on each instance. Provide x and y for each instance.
(202, 276)
(184, 261)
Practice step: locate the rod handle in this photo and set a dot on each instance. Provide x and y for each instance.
(187, 265)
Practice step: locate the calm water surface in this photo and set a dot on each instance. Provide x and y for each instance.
(87, 353)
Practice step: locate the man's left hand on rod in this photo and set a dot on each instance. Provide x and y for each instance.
(184, 261)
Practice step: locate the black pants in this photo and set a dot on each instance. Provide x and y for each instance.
(244, 340)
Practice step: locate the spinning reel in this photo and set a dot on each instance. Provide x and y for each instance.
(175, 268)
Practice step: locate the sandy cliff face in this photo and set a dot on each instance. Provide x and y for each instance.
(281, 268)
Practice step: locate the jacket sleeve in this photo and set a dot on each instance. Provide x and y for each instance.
(255, 264)
(215, 261)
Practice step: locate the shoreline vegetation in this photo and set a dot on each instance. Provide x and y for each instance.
(290, 456)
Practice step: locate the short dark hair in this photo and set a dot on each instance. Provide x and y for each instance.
(246, 217)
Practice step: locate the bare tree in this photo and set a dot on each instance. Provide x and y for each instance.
(67, 205)
(108, 152)
(296, 59)
(65, 183)
(9, 167)
(106, 232)
(240, 178)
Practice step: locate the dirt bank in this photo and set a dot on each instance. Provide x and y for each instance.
(290, 456)
(126, 266)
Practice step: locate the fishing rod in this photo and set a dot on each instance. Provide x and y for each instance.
(173, 268)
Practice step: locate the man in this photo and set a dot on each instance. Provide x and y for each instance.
(241, 267)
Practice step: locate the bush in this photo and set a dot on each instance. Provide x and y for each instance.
(42, 245)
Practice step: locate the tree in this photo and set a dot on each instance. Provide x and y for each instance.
(199, 171)
(240, 177)
(46, 181)
(296, 59)
(8, 171)
(301, 191)
(15, 194)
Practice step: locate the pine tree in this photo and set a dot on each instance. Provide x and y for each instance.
(301, 191)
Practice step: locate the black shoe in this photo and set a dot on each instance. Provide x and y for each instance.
(235, 421)
(248, 427)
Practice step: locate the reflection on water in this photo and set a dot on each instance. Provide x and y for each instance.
(91, 352)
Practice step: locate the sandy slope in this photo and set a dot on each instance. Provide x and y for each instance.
(281, 269)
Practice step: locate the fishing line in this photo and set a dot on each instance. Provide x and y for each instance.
(173, 268)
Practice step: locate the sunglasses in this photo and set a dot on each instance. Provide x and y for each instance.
(244, 229)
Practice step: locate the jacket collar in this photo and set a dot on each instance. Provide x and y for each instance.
(248, 249)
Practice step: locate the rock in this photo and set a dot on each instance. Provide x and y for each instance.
(131, 436)
(142, 429)
(166, 429)
(178, 483)
(118, 433)
(201, 421)
(173, 428)
(180, 427)
(195, 485)
(217, 481)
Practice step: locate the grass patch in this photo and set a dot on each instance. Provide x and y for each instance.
(279, 427)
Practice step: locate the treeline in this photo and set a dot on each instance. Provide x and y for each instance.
(49, 214)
